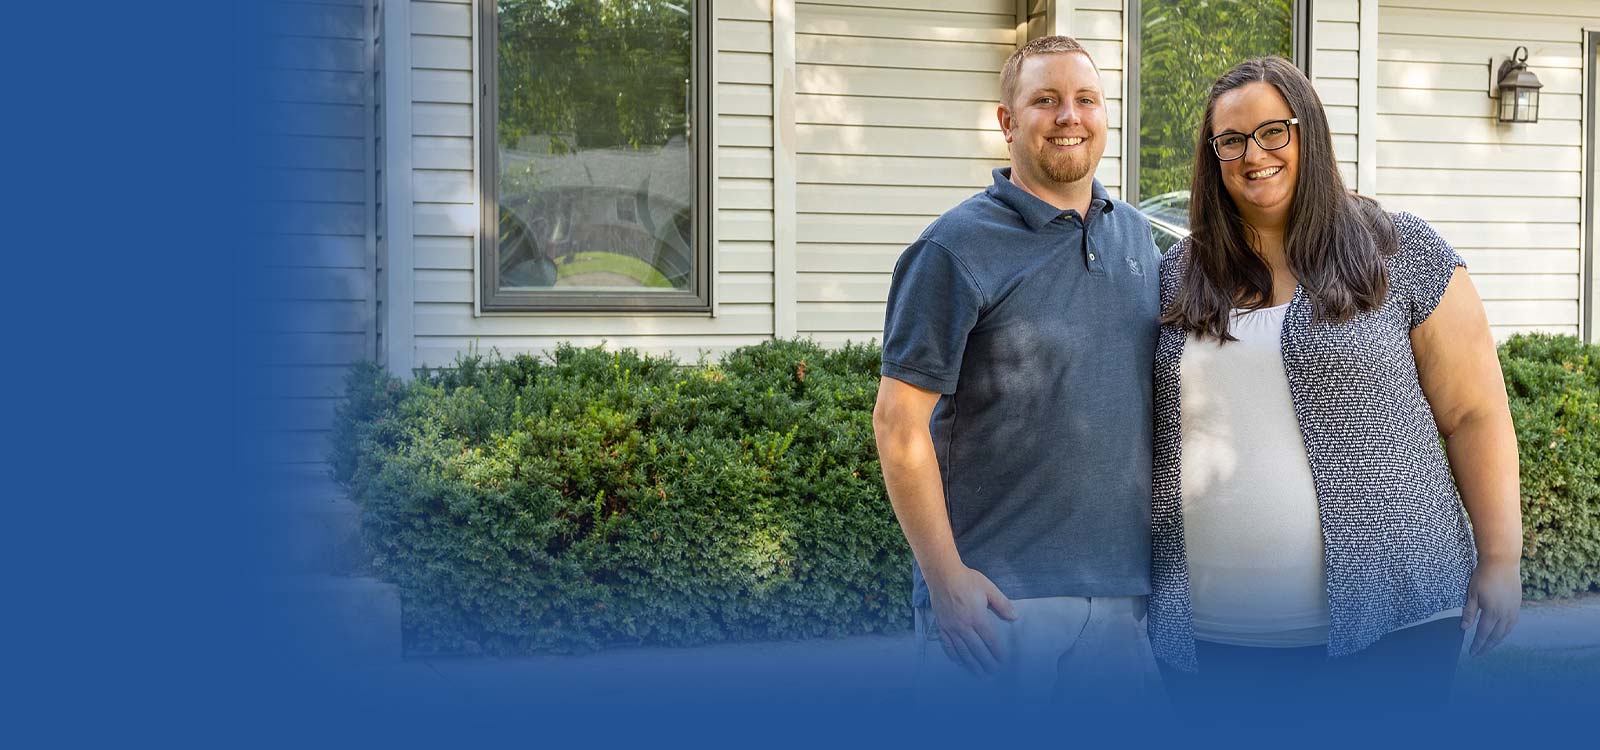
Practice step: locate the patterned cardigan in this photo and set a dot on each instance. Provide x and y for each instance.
(1397, 543)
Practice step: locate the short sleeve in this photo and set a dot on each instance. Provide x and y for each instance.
(1426, 264)
(934, 301)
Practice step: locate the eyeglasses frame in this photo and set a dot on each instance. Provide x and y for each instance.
(1252, 136)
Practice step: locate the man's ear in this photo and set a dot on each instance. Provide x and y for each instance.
(1004, 116)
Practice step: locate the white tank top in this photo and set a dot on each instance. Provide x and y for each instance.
(1257, 576)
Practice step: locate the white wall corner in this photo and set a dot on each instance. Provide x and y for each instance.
(400, 271)
(1367, 100)
(785, 312)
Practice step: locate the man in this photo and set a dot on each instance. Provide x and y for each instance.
(1022, 325)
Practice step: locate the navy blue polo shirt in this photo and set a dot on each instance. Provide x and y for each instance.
(1038, 326)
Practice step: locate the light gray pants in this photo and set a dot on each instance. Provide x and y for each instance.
(1061, 649)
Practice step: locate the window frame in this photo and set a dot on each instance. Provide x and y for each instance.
(493, 299)
(1133, 32)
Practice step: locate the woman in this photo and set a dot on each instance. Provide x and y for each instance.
(1308, 536)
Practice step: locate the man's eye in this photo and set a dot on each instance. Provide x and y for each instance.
(1045, 100)
(1089, 100)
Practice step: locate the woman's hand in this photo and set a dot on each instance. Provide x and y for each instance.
(1493, 599)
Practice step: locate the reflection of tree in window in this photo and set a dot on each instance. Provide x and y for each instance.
(1184, 46)
(593, 143)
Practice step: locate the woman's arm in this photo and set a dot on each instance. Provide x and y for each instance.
(1460, 375)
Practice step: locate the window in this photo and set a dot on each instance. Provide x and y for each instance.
(594, 155)
(1179, 47)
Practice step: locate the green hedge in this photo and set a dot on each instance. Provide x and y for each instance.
(597, 498)
(604, 498)
(1554, 385)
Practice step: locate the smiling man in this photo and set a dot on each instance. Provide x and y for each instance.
(1014, 419)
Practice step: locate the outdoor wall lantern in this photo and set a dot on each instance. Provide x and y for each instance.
(1518, 89)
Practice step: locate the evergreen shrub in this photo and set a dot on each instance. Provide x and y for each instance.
(1554, 386)
(601, 498)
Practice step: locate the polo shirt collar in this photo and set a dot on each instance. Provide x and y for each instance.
(1035, 212)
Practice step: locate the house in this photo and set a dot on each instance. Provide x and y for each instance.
(451, 176)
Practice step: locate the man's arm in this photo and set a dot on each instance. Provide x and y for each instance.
(961, 596)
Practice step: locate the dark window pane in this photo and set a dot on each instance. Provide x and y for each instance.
(1184, 46)
(596, 185)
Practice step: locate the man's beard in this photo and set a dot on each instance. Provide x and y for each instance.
(1065, 168)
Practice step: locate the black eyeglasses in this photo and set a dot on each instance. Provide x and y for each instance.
(1270, 136)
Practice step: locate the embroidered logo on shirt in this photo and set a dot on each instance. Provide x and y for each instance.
(1133, 265)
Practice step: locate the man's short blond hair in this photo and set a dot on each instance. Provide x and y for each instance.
(1045, 45)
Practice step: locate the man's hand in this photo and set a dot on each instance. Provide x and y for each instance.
(961, 604)
(1493, 599)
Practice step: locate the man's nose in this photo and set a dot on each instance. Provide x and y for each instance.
(1067, 114)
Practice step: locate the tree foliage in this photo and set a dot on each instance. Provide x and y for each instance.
(1185, 46)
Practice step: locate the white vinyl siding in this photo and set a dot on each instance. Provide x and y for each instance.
(1335, 72)
(895, 124)
(1508, 197)
(443, 181)
(316, 279)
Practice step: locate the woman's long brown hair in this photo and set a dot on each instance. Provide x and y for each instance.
(1335, 240)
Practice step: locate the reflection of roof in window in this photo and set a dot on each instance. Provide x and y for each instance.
(667, 169)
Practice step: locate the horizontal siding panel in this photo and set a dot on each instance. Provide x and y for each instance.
(1508, 234)
(1525, 29)
(292, 53)
(749, 132)
(744, 288)
(441, 119)
(313, 284)
(335, 185)
(297, 217)
(324, 381)
(744, 162)
(879, 199)
(443, 253)
(441, 52)
(746, 226)
(1501, 333)
(895, 170)
(338, 120)
(895, 23)
(314, 86)
(441, 86)
(1527, 286)
(842, 287)
(744, 67)
(1500, 261)
(306, 348)
(456, 320)
(1480, 155)
(847, 258)
(443, 186)
(312, 316)
(878, 141)
(1336, 64)
(1097, 24)
(443, 19)
(910, 84)
(317, 152)
(1466, 181)
(433, 152)
(1500, 208)
(295, 415)
(744, 193)
(744, 99)
(992, 7)
(900, 53)
(444, 219)
(831, 228)
(687, 351)
(861, 318)
(1334, 35)
(744, 257)
(745, 10)
(315, 251)
(1423, 47)
(743, 36)
(1337, 92)
(442, 286)
(308, 20)
(1337, 10)
(1342, 120)
(1472, 104)
(1474, 130)
(1409, 74)
(1532, 313)
(928, 113)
